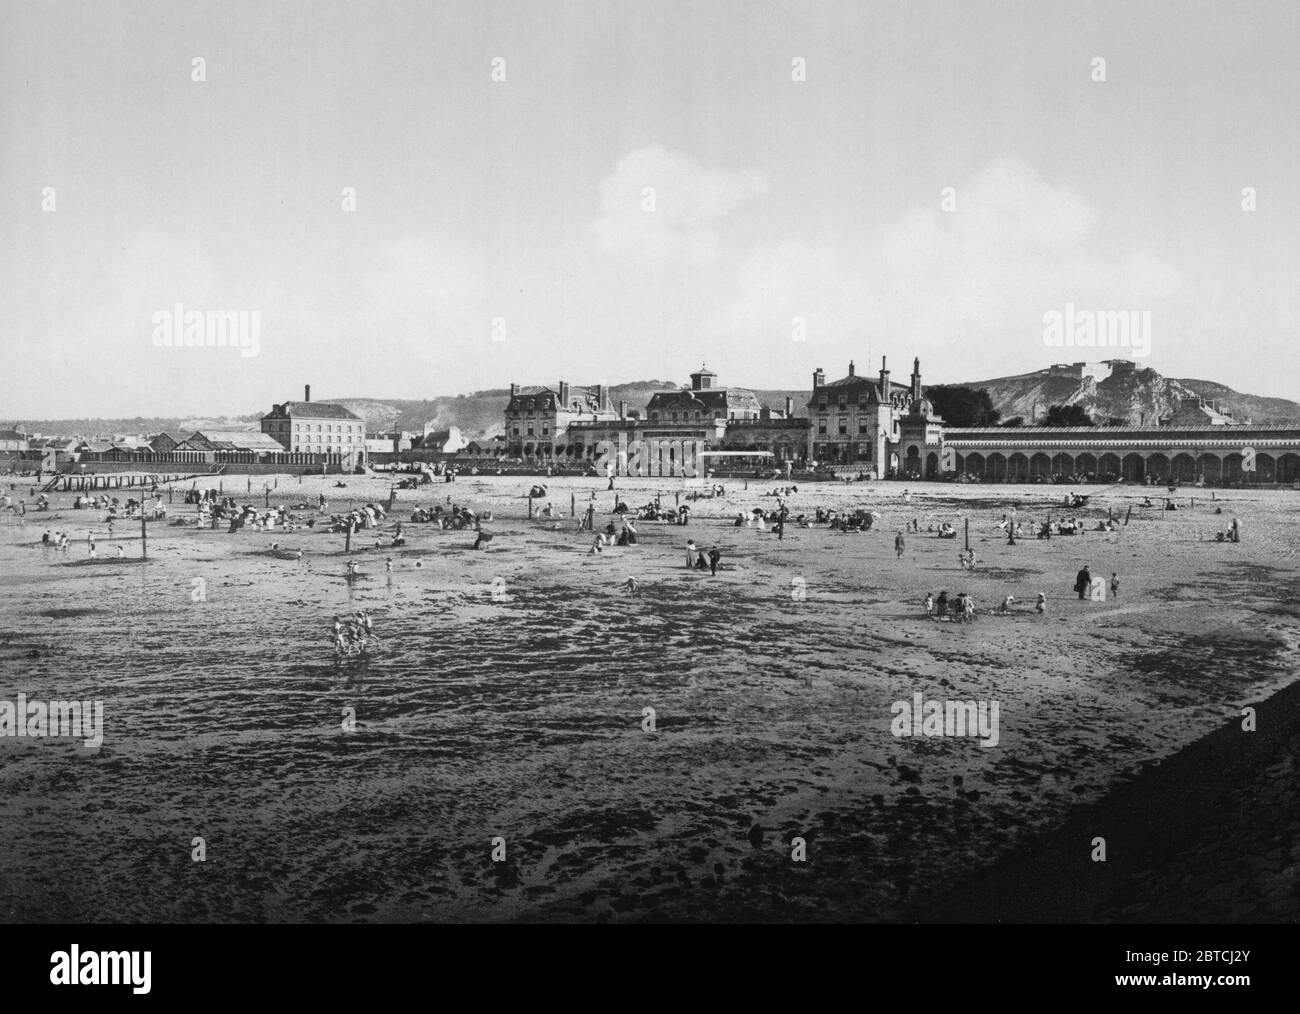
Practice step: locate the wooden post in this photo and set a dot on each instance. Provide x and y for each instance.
(573, 505)
(347, 543)
(968, 534)
(530, 505)
(144, 534)
(616, 501)
(268, 494)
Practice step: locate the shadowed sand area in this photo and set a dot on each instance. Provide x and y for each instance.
(522, 718)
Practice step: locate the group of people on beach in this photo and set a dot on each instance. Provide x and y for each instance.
(355, 635)
(697, 559)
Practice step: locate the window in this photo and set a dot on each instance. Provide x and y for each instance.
(674, 417)
(546, 430)
(844, 428)
(530, 429)
(318, 427)
(821, 427)
(654, 416)
(864, 426)
(844, 400)
(821, 403)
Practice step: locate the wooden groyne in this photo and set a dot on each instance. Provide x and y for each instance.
(119, 480)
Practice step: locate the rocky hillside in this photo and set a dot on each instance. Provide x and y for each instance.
(1135, 397)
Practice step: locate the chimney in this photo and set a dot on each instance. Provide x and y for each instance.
(602, 398)
(884, 381)
(564, 395)
(819, 378)
(306, 393)
(850, 367)
(916, 379)
(789, 407)
(622, 409)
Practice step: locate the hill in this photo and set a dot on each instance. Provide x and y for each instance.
(1137, 397)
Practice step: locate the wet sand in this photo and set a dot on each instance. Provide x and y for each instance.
(520, 716)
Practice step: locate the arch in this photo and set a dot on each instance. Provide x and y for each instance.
(997, 467)
(1086, 464)
(1158, 467)
(1018, 467)
(974, 464)
(1062, 464)
(931, 465)
(1133, 467)
(1109, 466)
(1040, 466)
(912, 469)
(1183, 468)
(1209, 467)
(1265, 468)
(1232, 467)
(1288, 467)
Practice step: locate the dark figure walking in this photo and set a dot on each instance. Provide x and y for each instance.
(714, 557)
(1083, 583)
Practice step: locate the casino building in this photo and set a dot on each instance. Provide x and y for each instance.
(884, 429)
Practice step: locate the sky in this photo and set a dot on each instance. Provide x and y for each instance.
(421, 199)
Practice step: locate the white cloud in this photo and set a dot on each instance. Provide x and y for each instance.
(1014, 248)
(660, 205)
(791, 282)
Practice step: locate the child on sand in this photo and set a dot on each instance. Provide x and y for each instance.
(1040, 607)
(1114, 585)
(929, 606)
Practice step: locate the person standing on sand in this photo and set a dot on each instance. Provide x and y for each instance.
(899, 545)
(714, 557)
(1114, 585)
(1083, 582)
(92, 549)
(691, 553)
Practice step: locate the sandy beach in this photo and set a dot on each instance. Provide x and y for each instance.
(506, 700)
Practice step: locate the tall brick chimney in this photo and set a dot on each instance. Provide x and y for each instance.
(789, 407)
(884, 381)
(306, 393)
(819, 377)
(851, 370)
(622, 410)
(514, 389)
